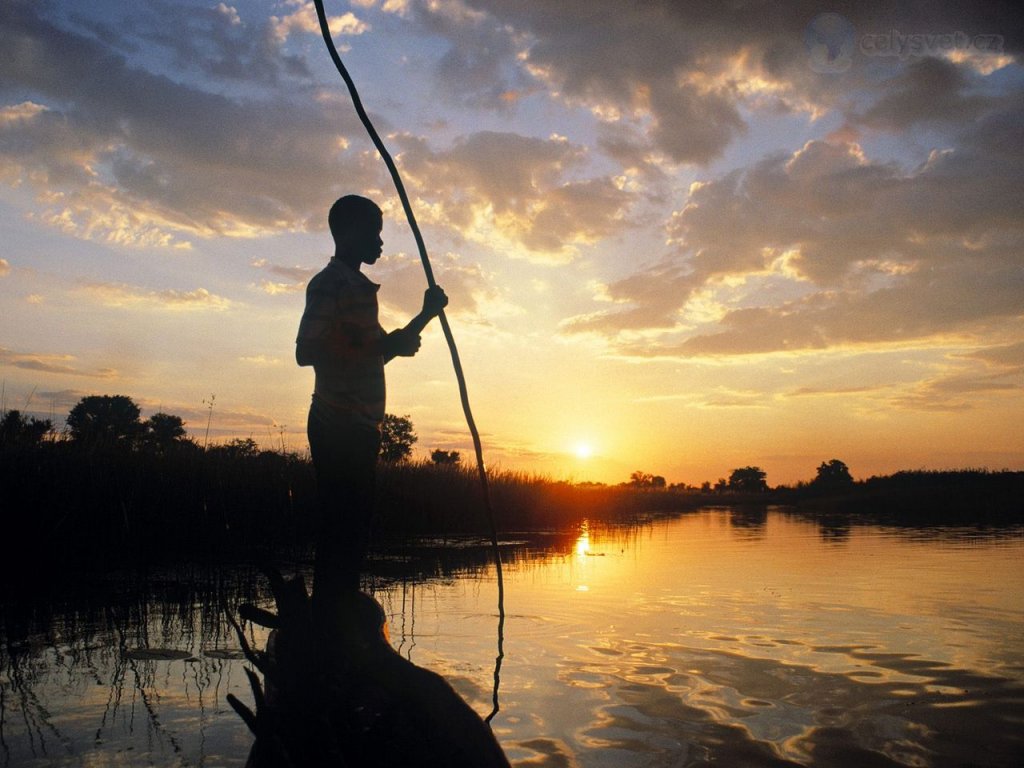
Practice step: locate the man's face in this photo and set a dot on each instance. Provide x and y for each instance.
(365, 241)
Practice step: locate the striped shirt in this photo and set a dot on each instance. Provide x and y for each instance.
(341, 310)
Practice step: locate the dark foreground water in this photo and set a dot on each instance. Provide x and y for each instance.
(720, 638)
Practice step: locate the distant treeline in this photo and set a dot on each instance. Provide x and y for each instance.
(967, 496)
(145, 491)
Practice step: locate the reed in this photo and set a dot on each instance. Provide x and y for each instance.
(79, 506)
(67, 505)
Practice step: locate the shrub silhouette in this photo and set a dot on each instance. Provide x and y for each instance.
(640, 479)
(164, 430)
(832, 475)
(25, 430)
(105, 419)
(396, 438)
(750, 479)
(445, 458)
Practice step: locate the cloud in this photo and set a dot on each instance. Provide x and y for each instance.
(665, 65)
(296, 273)
(641, 301)
(296, 277)
(215, 40)
(260, 360)
(930, 90)
(51, 363)
(691, 75)
(467, 286)
(152, 151)
(121, 153)
(238, 420)
(824, 247)
(959, 388)
(532, 204)
(829, 391)
(628, 147)
(719, 397)
(121, 295)
(619, 64)
(479, 69)
(271, 288)
(64, 397)
(955, 301)
(304, 19)
(1010, 356)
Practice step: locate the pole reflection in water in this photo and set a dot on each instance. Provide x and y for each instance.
(746, 638)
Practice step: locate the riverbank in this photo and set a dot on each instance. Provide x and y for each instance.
(69, 507)
(977, 497)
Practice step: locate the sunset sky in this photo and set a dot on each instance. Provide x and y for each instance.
(677, 237)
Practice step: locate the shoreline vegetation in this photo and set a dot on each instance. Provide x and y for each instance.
(75, 501)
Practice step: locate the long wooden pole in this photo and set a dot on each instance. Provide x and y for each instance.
(456, 362)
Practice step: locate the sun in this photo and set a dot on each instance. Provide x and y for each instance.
(583, 450)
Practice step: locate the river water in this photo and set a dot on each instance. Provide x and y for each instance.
(715, 637)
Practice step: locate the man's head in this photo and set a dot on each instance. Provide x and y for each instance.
(356, 223)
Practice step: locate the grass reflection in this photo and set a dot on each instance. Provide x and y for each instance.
(121, 664)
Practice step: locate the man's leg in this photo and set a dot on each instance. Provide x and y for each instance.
(345, 459)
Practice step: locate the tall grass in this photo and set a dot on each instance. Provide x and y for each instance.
(68, 505)
(73, 505)
(77, 505)
(420, 497)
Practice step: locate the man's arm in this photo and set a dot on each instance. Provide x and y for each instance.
(405, 342)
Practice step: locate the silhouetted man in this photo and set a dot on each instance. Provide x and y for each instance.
(341, 337)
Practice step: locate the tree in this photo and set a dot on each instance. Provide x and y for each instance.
(107, 419)
(164, 430)
(638, 478)
(236, 448)
(749, 479)
(15, 428)
(833, 475)
(644, 480)
(445, 458)
(396, 438)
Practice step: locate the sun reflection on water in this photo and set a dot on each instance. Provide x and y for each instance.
(583, 542)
